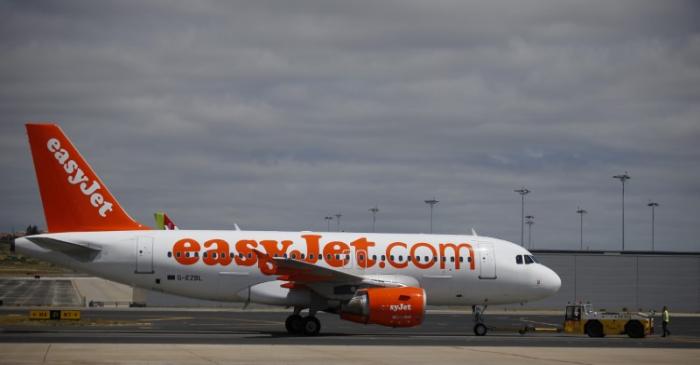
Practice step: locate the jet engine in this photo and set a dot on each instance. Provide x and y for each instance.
(391, 307)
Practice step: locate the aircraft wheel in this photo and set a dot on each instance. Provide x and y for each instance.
(294, 324)
(480, 329)
(311, 326)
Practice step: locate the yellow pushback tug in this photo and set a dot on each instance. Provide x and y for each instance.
(580, 318)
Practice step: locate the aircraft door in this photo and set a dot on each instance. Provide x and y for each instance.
(144, 255)
(487, 261)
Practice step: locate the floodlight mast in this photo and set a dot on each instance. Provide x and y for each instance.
(328, 220)
(624, 177)
(432, 203)
(338, 221)
(581, 212)
(374, 216)
(522, 192)
(653, 205)
(530, 221)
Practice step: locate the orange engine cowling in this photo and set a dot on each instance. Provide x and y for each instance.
(392, 307)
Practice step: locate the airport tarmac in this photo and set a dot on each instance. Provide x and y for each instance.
(267, 327)
(108, 336)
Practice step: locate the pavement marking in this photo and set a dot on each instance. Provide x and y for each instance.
(539, 322)
(167, 319)
(46, 353)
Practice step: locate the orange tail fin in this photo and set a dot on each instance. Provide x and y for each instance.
(74, 197)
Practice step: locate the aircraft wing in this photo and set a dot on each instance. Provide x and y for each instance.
(303, 272)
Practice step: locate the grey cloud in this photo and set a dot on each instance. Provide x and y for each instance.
(276, 114)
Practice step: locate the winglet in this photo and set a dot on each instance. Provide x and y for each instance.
(74, 198)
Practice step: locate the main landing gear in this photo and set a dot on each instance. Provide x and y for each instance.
(480, 328)
(297, 325)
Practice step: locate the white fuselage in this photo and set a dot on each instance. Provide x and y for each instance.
(453, 270)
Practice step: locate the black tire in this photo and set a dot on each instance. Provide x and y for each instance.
(311, 326)
(480, 329)
(594, 329)
(294, 324)
(634, 329)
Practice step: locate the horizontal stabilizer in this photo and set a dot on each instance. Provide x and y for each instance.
(81, 251)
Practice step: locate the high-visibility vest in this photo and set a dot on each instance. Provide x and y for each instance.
(665, 316)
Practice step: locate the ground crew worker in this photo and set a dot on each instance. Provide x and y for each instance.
(664, 322)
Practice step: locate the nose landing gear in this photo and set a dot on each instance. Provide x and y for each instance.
(480, 328)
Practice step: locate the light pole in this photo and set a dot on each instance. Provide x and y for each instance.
(374, 216)
(624, 177)
(432, 203)
(522, 192)
(328, 220)
(338, 221)
(581, 212)
(653, 205)
(530, 221)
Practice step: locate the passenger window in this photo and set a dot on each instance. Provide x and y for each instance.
(250, 255)
(362, 257)
(374, 257)
(528, 260)
(383, 257)
(177, 255)
(391, 257)
(311, 256)
(400, 257)
(232, 255)
(461, 259)
(170, 254)
(347, 257)
(519, 259)
(426, 258)
(469, 259)
(408, 258)
(196, 254)
(213, 255)
(294, 256)
(434, 258)
(302, 256)
(452, 259)
(187, 254)
(329, 256)
(444, 259)
(417, 258)
(337, 256)
(285, 255)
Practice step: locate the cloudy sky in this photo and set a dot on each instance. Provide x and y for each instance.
(274, 114)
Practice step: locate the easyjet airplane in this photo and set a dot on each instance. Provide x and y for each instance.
(383, 279)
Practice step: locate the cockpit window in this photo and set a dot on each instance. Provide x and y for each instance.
(534, 259)
(529, 260)
(519, 259)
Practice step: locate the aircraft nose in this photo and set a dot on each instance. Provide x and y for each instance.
(553, 282)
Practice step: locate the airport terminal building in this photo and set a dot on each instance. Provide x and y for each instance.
(631, 279)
